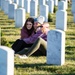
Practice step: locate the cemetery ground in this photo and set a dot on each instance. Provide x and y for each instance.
(37, 65)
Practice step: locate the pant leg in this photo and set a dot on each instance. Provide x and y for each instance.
(19, 47)
(39, 42)
(22, 51)
(15, 44)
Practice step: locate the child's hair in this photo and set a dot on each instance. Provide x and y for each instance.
(32, 29)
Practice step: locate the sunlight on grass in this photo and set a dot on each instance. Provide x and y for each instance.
(37, 65)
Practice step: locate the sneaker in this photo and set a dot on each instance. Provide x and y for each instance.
(16, 55)
(23, 57)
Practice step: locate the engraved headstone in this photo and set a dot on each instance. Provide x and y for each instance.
(56, 47)
(6, 61)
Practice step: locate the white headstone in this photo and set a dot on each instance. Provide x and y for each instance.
(33, 8)
(21, 3)
(6, 6)
(66, 3)
(61, 20)
(73, 7)
(42, 2)
(51, 5)
(10, 1)
(27, 5)
(74, 17)
(19, 17)
(44, 9)
(56, 2)
(37, 2)
(0, 3)
(56, 47)
(16, 1)
(47, 2)
(11, 10)
(6, 61)
(61, 5)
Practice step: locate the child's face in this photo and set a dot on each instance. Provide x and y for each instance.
(36, 24)
(29, 25)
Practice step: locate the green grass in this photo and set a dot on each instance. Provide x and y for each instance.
(37, 65)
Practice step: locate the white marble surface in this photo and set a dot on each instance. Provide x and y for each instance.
(43, 11)
(61, 5)
(56, 2)
(42, 2)
(27, 5)
(33, 8)
(11, 10)
(73, 7)
(6, 61)
(6, 6)
(56, 47)
(20, 17)
(74, 17)
(51, 6)
(61, 20)
(21, 3)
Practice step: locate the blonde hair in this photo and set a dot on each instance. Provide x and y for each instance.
(45, 26)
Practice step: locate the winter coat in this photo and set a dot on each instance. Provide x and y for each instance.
(24, 33)
(38, 34)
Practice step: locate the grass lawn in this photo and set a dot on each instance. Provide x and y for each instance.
(37, 65)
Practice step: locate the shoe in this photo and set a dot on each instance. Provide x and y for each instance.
(23, 57)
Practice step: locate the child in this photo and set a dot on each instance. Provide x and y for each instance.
(26, 31)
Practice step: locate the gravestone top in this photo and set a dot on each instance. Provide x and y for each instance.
(5, 48)
(61, 5)
(61, 20)
(6, 61)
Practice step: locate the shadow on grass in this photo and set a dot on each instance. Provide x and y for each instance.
(44, 67)
(70, 51)
(70, 47)
(30, 65)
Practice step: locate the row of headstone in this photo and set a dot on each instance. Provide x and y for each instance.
(30, 6)
(33, 7)
(56, 38)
